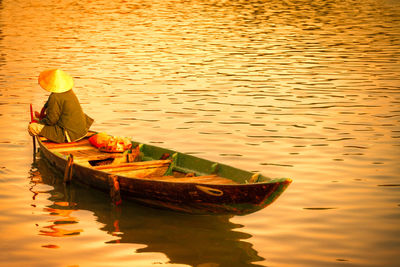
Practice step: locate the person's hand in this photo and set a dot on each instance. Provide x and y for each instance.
(42, 113)
(37, 116)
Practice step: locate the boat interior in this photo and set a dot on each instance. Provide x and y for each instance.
(137, 164)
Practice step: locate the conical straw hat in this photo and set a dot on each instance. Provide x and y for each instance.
(55, 81)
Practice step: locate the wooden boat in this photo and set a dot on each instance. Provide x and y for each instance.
(164, 178)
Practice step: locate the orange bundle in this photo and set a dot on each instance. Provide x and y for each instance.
(107, 143)
(99, 140)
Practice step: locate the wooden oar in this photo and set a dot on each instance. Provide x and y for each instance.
(33, 137)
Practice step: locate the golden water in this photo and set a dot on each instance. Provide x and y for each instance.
(303, 89)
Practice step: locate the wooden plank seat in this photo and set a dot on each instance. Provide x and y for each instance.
(83, 142)
(203, 179)
(51, 144)
(134, 165)
(91, 154)
(82, 151)
(142, 169)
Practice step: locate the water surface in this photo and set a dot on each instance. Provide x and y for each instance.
(303, 89)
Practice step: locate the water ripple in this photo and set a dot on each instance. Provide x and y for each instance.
(298, 88)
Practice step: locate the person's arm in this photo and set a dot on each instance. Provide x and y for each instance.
(53, 111)
(42, 114)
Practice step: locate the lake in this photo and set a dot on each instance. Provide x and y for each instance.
(303, 89)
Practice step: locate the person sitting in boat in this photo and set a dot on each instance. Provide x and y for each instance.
(62, 118)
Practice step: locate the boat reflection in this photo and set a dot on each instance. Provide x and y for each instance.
(195, 240)
(61, 210)
(55, 229)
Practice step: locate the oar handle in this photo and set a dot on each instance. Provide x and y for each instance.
(33, 137)
(31, 112)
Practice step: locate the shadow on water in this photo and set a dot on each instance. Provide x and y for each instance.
(195, 240)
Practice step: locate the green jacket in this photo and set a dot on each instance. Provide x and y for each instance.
(64, 113)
